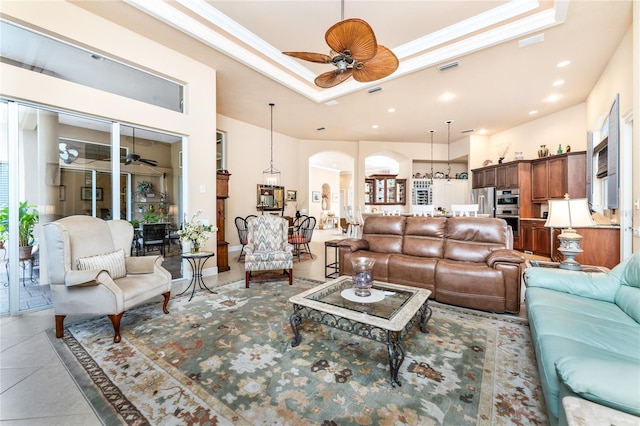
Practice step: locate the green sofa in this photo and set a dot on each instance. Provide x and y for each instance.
(585, 329)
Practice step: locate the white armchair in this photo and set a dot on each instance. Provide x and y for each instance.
(92, 272)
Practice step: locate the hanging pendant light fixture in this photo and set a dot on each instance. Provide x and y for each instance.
(448, 123)
(271, 175)
(432, 131)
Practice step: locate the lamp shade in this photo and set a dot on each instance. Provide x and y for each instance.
(569, 213)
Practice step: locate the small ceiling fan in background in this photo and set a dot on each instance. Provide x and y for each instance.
(68, 153)
(135, 158)
(354, 52)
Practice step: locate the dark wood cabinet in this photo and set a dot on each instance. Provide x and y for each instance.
(385, 189)
(535, 238)
(552, 177)
(507, 176)
(222, 193)
(484, 177)
(600, 246)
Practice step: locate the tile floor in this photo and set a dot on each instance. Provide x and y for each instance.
(35, 386)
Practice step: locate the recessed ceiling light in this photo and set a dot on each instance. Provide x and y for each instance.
(375, 126)
(558, 82)
(391, 110)
(482, 131)
(447, 96)
(552, 98)
(331, 103)
(563, 64)
(534, 112)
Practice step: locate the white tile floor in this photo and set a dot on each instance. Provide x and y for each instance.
(35, 386)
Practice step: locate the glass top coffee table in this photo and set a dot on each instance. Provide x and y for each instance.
(387, 316)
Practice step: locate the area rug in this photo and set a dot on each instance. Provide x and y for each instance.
(226, 359)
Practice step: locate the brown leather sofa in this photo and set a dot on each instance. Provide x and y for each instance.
(464, 261)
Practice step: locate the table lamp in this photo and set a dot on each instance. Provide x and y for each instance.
(566, 214)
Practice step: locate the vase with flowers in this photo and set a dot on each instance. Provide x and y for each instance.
(196, 232)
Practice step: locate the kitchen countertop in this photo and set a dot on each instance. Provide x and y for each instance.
(539, 219)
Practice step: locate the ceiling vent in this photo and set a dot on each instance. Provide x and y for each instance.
(468, 131)
(449, 66)
(374, 89)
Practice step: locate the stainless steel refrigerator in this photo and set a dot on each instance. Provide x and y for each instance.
(486, 200)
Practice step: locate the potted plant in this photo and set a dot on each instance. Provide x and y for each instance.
(27, 218)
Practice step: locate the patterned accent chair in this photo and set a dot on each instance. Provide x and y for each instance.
(267, 248)
(91, 270)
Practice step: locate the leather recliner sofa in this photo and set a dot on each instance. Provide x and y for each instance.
(464, 261)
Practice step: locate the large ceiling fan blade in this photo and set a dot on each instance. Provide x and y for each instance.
(332, 78)
(152, 163)
(383, 64)
(311, 57)
(352, 35)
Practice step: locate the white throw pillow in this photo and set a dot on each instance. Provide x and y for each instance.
(112, 262)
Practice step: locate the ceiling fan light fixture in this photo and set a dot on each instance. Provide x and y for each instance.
(67, 152)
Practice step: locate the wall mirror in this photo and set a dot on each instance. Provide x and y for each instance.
(270, 197)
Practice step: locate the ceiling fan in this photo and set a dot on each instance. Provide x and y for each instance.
(135, 158)
(68, 153)
(354, 52)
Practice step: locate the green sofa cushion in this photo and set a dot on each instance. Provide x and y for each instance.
(628, 299)
(594, 285)
(607, 381)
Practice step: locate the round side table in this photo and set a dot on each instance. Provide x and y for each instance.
(197, 261)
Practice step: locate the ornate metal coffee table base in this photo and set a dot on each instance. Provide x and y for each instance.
(393, 339)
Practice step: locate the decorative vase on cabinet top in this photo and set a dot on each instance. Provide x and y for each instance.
(543, 151)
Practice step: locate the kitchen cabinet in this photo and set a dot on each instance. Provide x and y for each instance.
(484, 177)
(552, 177)
(385, 189)
(600, 246)
(508, 176)
(535, 238)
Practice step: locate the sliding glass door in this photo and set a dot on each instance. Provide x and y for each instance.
(54, 164)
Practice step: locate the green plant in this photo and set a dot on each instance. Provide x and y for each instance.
(27, 218)
(144, 187)
(150, 217)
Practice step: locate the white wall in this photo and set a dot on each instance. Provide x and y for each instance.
(199, 125)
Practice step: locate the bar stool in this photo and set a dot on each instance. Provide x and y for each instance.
(331, 269)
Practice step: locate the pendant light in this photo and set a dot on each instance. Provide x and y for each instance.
(448, 123)
(271, 175)
(432, 131)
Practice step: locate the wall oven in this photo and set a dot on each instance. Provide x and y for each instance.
(508, 198)
(511, 215)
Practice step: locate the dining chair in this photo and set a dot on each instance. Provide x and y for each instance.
(301, 237)
(152, 235)
(243, 230)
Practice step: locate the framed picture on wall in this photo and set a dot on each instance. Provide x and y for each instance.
(85, 193)
(292, 195)
(315, 196)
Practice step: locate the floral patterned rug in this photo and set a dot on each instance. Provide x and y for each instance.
(226, 359)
